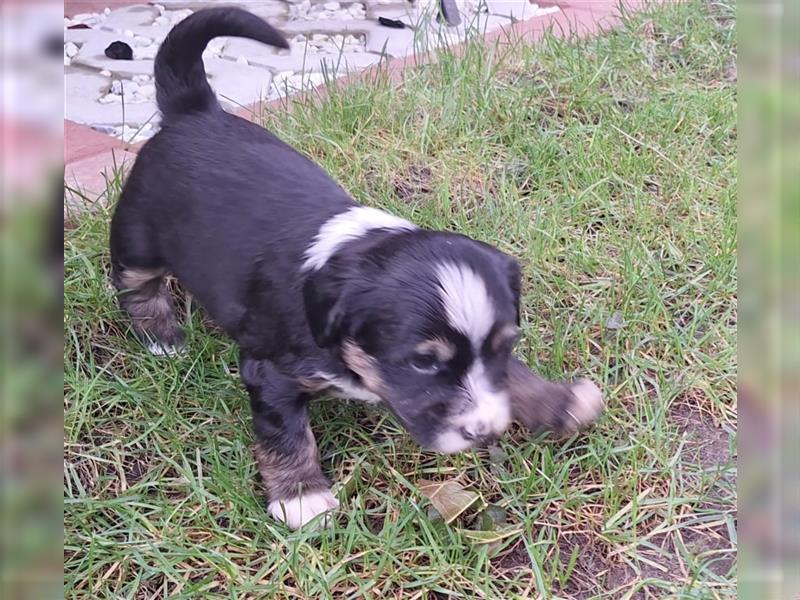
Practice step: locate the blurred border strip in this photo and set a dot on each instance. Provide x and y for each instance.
(769, 302)
(31, 255)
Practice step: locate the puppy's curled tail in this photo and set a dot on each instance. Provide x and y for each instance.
(181, 85)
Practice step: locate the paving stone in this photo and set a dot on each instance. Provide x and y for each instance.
(198, 4)
(237, 85)
(254, 52)
(82, 91)
(270, 11)
(345, 63)
(331, 27)
(402, 11)
(129, 17)
(394, 42)
(518, 9)
(92, 52)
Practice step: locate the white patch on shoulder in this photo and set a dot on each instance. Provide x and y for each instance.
(349, 390)
(347, 226)
(588, 402)
(302, 509)
(466, 301)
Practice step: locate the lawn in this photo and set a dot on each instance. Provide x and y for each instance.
(608, 168)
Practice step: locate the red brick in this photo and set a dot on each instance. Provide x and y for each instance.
(81, 141)
(85, 179)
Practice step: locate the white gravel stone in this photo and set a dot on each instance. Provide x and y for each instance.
(133, 134)
(90, 19)
(129, 90)
(306, 11)
(70, 50)
(294, 82)
(330, 44)
(145, 53)
(105, 73)
(356, 10)
(148, 91)
(110, 99)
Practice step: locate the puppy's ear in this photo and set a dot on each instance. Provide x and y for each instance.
(325, 305)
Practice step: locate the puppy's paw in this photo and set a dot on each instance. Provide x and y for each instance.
(159, 349)
(303, 509)
(587, 404)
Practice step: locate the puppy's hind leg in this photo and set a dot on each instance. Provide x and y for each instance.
(138, 277)
(143, 294)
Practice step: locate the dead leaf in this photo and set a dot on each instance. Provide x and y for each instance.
(448, 497)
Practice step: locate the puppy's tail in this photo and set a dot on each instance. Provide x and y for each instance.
(181, 84)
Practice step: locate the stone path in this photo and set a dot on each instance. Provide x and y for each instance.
(91, 155)
(328, 39)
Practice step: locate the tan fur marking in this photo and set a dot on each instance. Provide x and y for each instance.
(363, 365)
(131, 279)
(288, 475)
(441, 349)
(144, 295)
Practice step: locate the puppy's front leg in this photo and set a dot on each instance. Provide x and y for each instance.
(545, 405)
(285, 447)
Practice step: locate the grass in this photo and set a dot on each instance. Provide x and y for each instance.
(608, 167)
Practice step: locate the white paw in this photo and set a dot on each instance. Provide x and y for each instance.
(588, 402)
(299, 511)
(159, 349)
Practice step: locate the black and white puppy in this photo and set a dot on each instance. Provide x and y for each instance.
(320, 294)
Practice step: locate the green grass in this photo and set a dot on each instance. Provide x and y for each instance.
(608, 167)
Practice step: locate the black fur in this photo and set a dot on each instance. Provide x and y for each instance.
(181, 84)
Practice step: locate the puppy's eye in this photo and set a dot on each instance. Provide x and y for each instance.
(425, 363)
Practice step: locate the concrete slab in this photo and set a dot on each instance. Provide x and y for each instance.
(243, 85)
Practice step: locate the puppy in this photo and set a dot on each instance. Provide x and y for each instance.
(320, 294)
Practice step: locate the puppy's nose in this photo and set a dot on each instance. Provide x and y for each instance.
(479, 432)
(466, 434)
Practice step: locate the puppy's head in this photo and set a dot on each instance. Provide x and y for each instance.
(427, 321)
